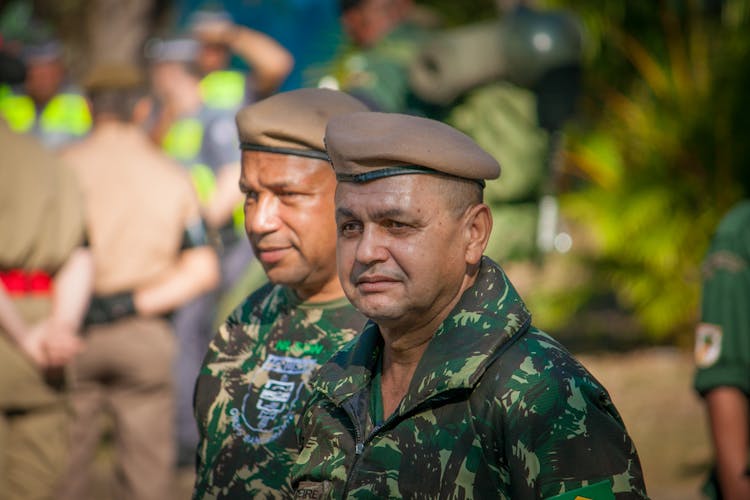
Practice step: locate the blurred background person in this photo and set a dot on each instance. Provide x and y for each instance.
(308, 29)
(204, 141)
(385, 39)
(152, 256)
(722, 354)
(46, 275)
(220, 38)
(47, 104)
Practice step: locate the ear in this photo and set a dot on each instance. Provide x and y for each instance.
(478, 225)
(142, 110)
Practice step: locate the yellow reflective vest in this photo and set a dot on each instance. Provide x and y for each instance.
(184, 142)
(224, 89)
(66, 113)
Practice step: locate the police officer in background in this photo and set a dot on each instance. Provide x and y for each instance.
(225, 88)
(47, 104)
(152, 256)
(448, 391)
(45, 281)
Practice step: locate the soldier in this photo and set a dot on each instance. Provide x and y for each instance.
(45, 282)
(253, 383)
(151, 255)
(449, 391)
(722, 353)
(387, 40)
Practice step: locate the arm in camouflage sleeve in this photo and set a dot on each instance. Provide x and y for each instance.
(560, 429)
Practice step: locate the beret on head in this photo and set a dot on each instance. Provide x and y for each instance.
(293, 122)
(368, 146)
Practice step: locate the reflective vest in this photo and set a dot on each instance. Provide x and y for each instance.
(183, 142)
(223, 89)
(65, 113)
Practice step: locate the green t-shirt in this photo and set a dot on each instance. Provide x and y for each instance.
(722, 344)
(722, 350)
(253, 385)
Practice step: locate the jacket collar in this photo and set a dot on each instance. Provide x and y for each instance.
(488, 315)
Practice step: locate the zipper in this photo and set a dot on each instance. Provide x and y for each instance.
(350, 408)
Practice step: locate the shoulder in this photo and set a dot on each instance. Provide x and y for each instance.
(255, 303)
(537, 371)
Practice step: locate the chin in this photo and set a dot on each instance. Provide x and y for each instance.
(384, 313)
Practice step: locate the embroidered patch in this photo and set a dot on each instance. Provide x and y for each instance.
(312, 489)
(707, 344)
(597, 491)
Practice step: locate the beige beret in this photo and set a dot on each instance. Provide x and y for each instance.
(368, 146)
(293, 122)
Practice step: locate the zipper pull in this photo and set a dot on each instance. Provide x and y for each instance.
(359, 448)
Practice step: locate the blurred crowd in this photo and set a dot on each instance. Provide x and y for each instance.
(127, 222)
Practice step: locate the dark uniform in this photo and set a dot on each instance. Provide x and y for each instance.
(722, 347)
(41, 223)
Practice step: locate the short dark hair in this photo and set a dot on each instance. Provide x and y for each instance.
(119, 103)
(345, 5)
(461, 194)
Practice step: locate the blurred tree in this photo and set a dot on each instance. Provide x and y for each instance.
(660, 152)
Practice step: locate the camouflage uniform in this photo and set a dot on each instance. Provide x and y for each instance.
(496, 409)
(253, 384)
(379, 75)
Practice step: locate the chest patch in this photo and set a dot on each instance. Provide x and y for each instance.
(271, 399)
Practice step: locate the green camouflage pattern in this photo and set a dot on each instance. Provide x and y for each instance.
(496, 409)
(379, 75)
(253, 385)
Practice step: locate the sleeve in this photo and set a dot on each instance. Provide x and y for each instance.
(722, 346)
(221, 146)
(195, 233)
(561, 431)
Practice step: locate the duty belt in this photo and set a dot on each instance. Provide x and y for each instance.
(23, 282)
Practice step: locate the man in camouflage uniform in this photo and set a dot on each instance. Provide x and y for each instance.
(449, 392)
(254, 379)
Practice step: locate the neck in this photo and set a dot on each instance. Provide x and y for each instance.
(404, 347)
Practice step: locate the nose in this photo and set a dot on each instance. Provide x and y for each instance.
(263, 216)
(371, 246)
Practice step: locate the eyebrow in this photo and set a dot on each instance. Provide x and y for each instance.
(275, 185)
(388, 213)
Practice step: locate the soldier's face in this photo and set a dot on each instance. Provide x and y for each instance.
(289, 220)
(401, 253)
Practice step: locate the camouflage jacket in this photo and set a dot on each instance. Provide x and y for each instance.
(253, 385)
(496, 409)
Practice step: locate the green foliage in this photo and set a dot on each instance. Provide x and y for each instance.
(660, 152)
